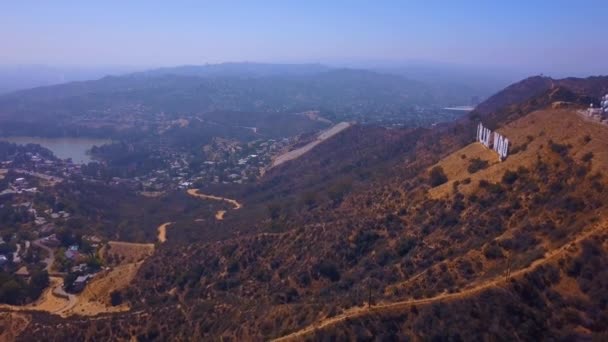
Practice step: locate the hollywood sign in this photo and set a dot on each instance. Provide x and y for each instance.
(499, 144)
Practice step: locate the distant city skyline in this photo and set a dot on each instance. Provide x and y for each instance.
(555, 37)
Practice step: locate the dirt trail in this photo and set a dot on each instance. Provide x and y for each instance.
(162, 232)
(196, 193)
(362, 311)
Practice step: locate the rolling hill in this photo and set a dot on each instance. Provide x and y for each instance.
(396, 234)
(125, 103)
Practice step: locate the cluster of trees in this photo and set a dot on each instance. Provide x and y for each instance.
(17, 153)
(16, 290)
(125, 160)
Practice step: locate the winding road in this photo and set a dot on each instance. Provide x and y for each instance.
(50, 259)
(196, 193)
(219, 215)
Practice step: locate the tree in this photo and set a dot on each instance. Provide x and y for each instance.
(116, 298)
(437, 176)
(11, 292)
(509, 177)
(477, 164)
(329, 270)
(405, 245)
(68, 281)
(39, 279)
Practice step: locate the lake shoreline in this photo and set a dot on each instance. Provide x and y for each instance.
(78, 149)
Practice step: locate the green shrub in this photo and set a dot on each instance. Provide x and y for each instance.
(477, 164)
(405, 245)
(560, 149)
(492, 251)
(509, 177)
(329, 270)
(587, 157)
(437, 176)
(115, 298)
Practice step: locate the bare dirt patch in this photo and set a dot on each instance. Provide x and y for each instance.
(220, 214)
(162, 232)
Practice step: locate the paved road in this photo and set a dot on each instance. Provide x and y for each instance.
(298, 152)
(50, 259)
(72, 300)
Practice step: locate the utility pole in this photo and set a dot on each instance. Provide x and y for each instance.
(508, 272)
(369, 300)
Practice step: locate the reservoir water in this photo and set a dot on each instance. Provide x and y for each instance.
(75, 148)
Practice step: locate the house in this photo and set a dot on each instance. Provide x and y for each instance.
(51, 240)
(47, 228)
(81, 282)
(79, 269)
(22, 272)
(72, 253)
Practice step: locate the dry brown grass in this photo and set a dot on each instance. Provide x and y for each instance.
(562, 126)
(95, 299)
(12, 324)
(127, 252)
(569, 287)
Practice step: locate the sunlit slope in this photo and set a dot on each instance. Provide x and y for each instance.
(529, 246)
(528, 136)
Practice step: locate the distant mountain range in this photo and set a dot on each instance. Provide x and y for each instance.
(242, 70)
(19, 77)
(339, 94)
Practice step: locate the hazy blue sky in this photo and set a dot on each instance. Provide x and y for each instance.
(535, 35)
